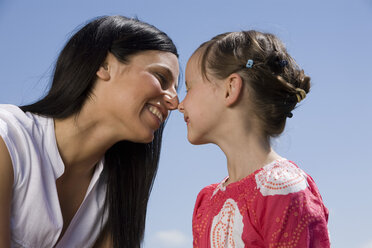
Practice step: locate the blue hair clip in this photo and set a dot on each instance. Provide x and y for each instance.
(249, 63)
(283, 63)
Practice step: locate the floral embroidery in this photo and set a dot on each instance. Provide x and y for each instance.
(258, 211)
(227, 227)
(280, 178)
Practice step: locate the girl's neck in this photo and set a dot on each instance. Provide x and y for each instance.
(246, 152)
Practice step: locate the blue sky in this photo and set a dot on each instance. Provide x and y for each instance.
(329, 135)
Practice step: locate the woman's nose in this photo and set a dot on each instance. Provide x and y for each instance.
(171, 101)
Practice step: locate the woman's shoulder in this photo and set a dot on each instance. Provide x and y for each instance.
(23, 134)
(13, 123)
(13, 118)
(13, 115)
(9, 109)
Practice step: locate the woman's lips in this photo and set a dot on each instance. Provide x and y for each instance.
(154, 110)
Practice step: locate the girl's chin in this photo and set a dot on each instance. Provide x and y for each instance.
(196, 141)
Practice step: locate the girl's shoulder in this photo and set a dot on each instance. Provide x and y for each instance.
(203, 198)
(289, 200)
(279, 181)
(280, 177)
(207, 191)
(283, 182)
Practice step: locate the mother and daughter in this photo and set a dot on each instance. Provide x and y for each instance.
(77, 166)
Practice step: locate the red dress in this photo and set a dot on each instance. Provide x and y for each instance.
(277, 206)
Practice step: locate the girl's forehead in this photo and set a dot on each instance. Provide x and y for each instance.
(193, 67)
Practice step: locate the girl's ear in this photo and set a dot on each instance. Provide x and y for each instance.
(233, 89)
(103, 72)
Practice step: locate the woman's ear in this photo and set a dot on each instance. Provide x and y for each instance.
(103, 72)
(233, 89)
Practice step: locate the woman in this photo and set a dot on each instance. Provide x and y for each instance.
(76, 167)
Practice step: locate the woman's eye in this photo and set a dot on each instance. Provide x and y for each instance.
(163, 81)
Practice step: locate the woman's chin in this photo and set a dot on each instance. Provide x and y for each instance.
(144, 138)
(147, 138)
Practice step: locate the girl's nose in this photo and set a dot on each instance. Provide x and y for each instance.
(180, 107)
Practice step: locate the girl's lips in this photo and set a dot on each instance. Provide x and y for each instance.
(186, 119)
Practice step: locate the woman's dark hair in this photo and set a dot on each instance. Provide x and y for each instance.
(274, 77)
(130, 167)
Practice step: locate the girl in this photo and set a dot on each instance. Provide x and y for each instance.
(241, 88)
(79, 163)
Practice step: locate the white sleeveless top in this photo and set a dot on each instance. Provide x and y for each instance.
(36, 218)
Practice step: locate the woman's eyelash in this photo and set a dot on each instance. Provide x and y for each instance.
(162, 79)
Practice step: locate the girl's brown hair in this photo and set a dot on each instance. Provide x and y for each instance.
(274, 78)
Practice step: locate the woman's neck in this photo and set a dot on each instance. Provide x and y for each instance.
(82, 141)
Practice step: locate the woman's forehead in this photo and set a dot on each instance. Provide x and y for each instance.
(151, 59)
(153, 56)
